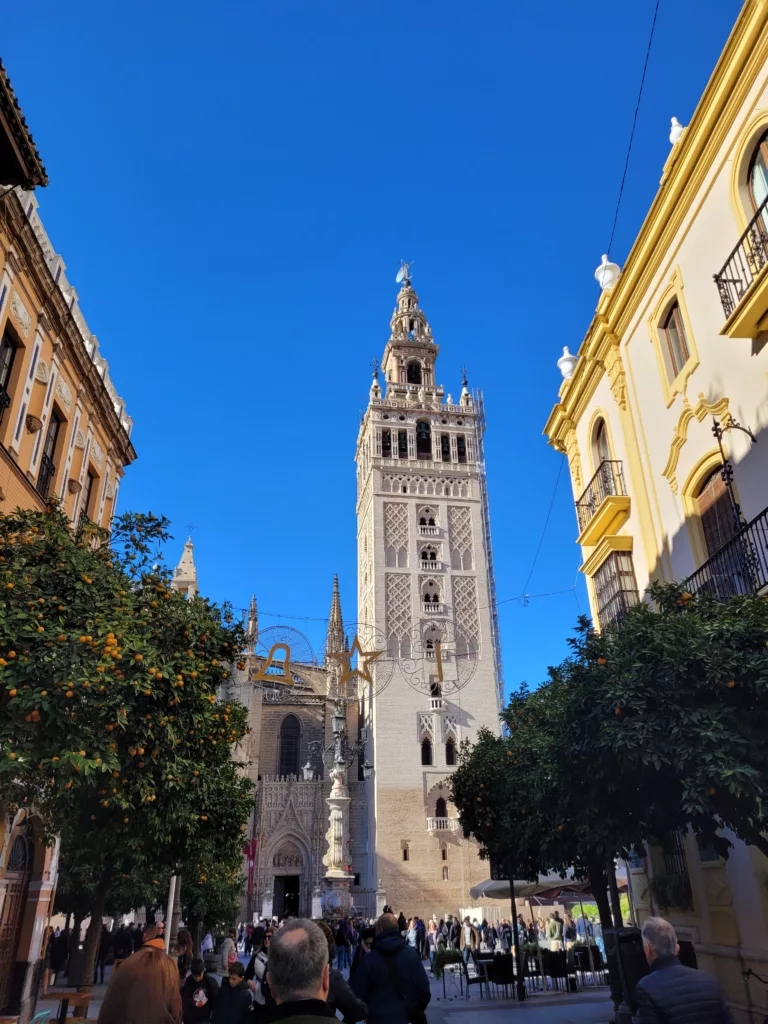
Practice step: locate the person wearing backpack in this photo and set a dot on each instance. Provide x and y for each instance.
(391, 978)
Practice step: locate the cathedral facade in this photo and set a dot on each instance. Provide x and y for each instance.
(426, 601)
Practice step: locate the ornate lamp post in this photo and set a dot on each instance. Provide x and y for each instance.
(337, 757)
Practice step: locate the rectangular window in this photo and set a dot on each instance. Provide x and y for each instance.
(386, 444)
(85, 504)
(461, 448)
(406, 853)
(7, 354)
(445, 448)
(615, 588)
(47, 467)
(402, 444)
(444, 853)
(672, 333)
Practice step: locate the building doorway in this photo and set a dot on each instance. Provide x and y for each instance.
(286, 896)
(17, 879)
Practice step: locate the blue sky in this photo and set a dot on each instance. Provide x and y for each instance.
(232, 187)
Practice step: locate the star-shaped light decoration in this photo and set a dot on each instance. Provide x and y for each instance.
(364, 660)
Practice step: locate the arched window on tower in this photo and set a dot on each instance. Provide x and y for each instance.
(413, 372)
(290, 733)
(441, 808)
(426, 751)
(423, 440)
(450, 752)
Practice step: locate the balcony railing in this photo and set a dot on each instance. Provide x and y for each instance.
(431, 565)
(745, 262)
(433, 607)
(607, 481)
(442, 824)
(45, 476)
(739, 567)
(435, 703)
(428, 531)
(5, 401)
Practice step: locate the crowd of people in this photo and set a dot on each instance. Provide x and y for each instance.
(291, 978)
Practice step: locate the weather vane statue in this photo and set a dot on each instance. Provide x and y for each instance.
(404, 273)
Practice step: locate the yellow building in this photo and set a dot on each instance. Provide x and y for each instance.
(677, 346)
(64, 432)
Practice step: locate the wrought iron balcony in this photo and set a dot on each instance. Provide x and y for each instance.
(45, 476)
(745, 262)
(5, 401)
(442, 825)
(739, 567)
(603, 502)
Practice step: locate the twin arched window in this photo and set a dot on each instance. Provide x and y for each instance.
(290, 734)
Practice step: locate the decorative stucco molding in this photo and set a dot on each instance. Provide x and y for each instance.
(700, 410)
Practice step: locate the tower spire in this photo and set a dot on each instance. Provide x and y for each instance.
(334, 641)
(185, 574)
(252, 629)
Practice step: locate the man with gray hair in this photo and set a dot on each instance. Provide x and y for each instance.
(298, 973)
(671, 993)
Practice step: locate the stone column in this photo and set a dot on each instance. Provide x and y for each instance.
(267, 902)
(338, 900)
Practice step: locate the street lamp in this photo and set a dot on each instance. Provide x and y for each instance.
(308, 772)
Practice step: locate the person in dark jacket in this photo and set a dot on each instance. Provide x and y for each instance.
(340, 996)
(233, 1003)
(671, 993)
(391, 978)
(105, 944)
(198, 995)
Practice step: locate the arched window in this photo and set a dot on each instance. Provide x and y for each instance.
(715, 512)
(675, 344)
(441, 808)
(413, 373)
(290, 732)
(423, 440)
(601, 446)
(450, 752)
(757, 178)
(435, 690)
(426, 751)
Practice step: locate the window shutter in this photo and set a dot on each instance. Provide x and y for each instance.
(454, 453)
(411, 445)
(470, 449)
(378, 441)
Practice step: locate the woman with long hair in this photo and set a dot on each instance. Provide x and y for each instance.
(184, 952)
(145, 990)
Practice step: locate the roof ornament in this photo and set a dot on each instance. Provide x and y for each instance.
(607, 274)
(677, 131)
(404, 273)
(567, 363)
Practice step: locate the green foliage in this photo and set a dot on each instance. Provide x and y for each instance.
(671, 890)
(654, 726)
(109, 719)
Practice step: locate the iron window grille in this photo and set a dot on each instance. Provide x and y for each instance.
(615, 588)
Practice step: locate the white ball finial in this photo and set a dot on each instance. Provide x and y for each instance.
(566, 364)
(607, 274)
(676, 132)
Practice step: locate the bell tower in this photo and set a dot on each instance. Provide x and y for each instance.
(425, 584)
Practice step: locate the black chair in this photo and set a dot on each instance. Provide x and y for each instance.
(475, 974)
(501, 973)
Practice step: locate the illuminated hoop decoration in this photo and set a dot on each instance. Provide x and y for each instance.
(442, 654)
(282, 655)
(365, 669)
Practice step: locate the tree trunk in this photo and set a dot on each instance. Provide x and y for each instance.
(614, 891)
(195, 925)
(93, 934)
(74, 940)
(599, 885)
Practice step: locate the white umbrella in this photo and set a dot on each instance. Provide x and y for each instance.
(494, 889)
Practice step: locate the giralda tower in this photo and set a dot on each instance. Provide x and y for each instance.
(425, 584)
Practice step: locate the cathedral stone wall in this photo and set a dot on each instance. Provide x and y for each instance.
(312, 720)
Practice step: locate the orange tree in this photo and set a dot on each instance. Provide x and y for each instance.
(211, 893)
(109, 717)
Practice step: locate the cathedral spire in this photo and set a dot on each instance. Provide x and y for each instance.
(185, 573)
(334, 641)
(252, 629)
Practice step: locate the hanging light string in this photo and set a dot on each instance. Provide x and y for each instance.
(634, 125)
